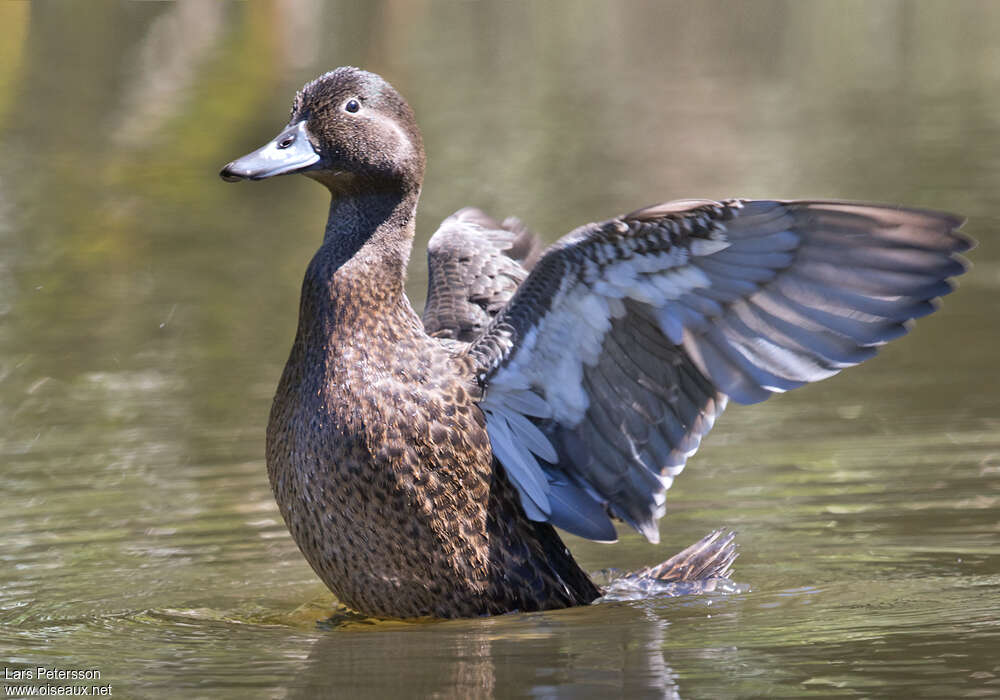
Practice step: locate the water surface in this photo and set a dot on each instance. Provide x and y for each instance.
(146, 310)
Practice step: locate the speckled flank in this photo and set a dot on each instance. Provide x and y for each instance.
(383, 471)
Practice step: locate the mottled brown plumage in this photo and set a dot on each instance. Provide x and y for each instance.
(382, 467)
(420, 466)
(376, 450)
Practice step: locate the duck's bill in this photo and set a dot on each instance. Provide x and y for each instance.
(289, 152)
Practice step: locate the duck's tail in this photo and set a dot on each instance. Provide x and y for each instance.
(709, 558)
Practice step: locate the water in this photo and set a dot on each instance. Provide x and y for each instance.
(146, 310)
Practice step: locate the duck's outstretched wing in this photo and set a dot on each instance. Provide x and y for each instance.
(620, 349)
(475, 264)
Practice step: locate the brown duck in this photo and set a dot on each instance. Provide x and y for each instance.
(421, 465)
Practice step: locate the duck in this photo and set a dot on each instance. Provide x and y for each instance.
(423, 463)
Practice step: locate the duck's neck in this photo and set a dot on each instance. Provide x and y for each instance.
(360, 269)
(370, 231)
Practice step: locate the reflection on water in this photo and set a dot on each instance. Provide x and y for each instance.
(146, 311)
(550, 656)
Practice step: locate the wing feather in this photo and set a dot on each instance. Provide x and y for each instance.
(618, 352)
(474, 267)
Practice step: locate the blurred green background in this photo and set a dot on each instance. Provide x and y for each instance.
(146, 310)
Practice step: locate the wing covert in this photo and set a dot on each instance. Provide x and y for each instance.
(474, 266)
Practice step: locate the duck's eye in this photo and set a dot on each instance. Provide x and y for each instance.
(352, 106)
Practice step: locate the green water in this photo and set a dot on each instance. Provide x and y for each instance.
(146, 310)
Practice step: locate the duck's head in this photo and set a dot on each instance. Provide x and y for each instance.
(348, 128)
